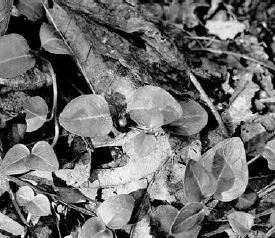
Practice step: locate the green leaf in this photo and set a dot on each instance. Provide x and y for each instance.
(24, 195)
(198, 182)
(116, 211)
(222, 160)
(14, 161)
(189, 217)
(87, 115)
(32, 9)
(269, 154)
(4, 184)
(153, 107)
(94, 227)
(15, 57)
(241, 222)
(11, 226)
(36, 112)
(192, 121)
(39, 206)
(43, 157)
(51, 40)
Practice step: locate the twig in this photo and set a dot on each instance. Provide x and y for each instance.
(271, 67)
(253, 159)
(206, 99)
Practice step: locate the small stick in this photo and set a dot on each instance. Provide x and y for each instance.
(253, 159)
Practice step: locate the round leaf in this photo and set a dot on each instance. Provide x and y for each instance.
(194, 118)
(87, 115)
(32, 9)
(39, 206)
(43, 157)
(51, 41)
(36, 112)
(234, 160)
(116, 211)
(14, 161)
(241, 222)
(15, 57)
(24, 195)
(153, 107)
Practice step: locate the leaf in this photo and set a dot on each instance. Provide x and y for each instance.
(144, 144)
(24, 195)
(11, 226)
(5, 12)
(189, 217)
(36, 112)
(269, 154)
(192, 121)
(32, 9)
(198, 182)
(87, 115)
(43, 157)
(272, 218)
(51, 40)
(4, 184)
(153, 107)
(94, 227)
(246, 200)
(233, 156)
(15, 57)
(241, 222)
(39, 206)
(14, 161)
(116, 211)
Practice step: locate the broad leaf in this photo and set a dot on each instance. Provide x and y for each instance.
(11, 226)
(14, 161)
(189, 217)
(51, 40)
(87, 115)
(94, 227)
(153, 107)
(36, 112)
(15, 57)
(269, 154)
(32, 9)
(198, 182)
(43, 157)
(192, 121)
(229, 158)
(116, 211)
(241, 222)
(24, 195)
(39, 206)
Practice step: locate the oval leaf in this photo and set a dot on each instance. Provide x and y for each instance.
(15, 160)
(269, 154)
(189, 217)
(241, 222)
(94, 227)
(51, 40)
(234, 159)
(39, 206)
(153, 107)
(36, 112)
(32, 9)
(116, 211)
(11, 226)
(15, 57)
(198, 182)
(194, 118)
(43, 157)
(87, 115)
(24, 195)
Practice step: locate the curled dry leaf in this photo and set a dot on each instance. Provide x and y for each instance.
(193, 119)
(32, 9)
(51, 40)
(116, 211)
(153, 107)
(36, 112)
(241, 222)
(15, 57)
(87, 115)
(231, 159)
(199, 183)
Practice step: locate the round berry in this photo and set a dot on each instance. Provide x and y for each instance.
(122, 122)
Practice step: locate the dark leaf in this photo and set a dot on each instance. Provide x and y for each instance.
(32, 9)
(246, 200)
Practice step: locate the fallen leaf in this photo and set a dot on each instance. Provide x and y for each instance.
(87, 115)
(15, 57)
(241, 222)
(32, 9)
(36, 112)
